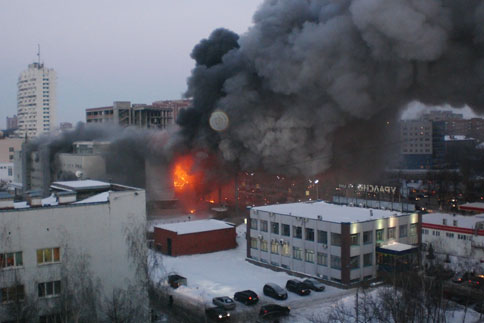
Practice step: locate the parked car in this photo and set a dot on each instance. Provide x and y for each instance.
(314, 285)
(176, 281)
(217, 313)
(274, 291)
(225, 302)
(247, 297)
(297, 287)
(272, 311)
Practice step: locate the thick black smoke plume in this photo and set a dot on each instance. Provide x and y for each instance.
(314, 83)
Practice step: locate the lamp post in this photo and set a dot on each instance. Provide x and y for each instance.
(316, 181)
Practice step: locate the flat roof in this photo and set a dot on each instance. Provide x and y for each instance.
(329, 212)
(80, 185)
(473, 205)
(463, 221)
(195, 226)
(397, 246)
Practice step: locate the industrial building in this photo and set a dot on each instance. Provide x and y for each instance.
(340, 244)
(48, 237)
(158, 115)
(455, 235)
(193, 237)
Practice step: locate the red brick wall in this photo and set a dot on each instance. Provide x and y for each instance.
(200, 242)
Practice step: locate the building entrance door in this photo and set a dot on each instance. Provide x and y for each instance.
(168, 246)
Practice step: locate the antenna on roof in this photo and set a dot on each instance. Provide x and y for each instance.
(38, 52)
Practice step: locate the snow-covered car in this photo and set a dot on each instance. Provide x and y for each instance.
(314, 285)
(272, 311)
(217, 314)
(247, 297)
(224, 301)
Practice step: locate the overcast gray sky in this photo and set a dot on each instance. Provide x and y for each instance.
(105, 51)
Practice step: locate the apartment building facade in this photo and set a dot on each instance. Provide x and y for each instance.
(36, 101)
(332, 242)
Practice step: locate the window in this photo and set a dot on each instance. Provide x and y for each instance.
(263, 225)
(286, 251)
(355, 239)
(322, 237)
(391, 233)
(10, 149)
(309, 235)
(48, 289)
(286, 231)
(444, 221)
(335, 239)
(12, 294)
(436, 233)
(402, 231)
(367, 237)
(413, 229)
(275, 227)
(274, 247)
(449, 235)
(263, 245)
(335, 262)
(253, 243)
(253, 224)
(48, 255)
(355, 262)
(11, 259)
(309, 255)
(367, 259)
(297, 253)
(322, 259)
(52, 318)
(379, 234)
(454, 223)
(296, 232)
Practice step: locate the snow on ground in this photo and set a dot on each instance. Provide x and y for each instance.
(225, 272)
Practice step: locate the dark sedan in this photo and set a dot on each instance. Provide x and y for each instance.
(272, 311)
(314, 285)
(247, 297)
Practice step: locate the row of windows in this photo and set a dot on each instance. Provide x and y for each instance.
(322, 236)
(15, 259)
(309, 255)
(450, 235)
(17, 293)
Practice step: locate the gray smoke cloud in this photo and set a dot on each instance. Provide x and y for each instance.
(313, 84)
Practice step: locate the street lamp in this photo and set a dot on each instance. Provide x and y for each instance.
(316, 181)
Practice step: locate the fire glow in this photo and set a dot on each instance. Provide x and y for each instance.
(182, 178)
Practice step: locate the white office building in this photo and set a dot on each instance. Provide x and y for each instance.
(336, 243)
(45, 243)
(36, 101)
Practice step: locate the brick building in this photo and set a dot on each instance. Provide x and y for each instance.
(193, 237)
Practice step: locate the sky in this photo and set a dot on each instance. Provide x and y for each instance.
(105, 51)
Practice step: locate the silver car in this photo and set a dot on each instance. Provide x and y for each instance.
(225, 302)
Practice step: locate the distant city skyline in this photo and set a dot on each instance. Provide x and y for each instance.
(109, 51)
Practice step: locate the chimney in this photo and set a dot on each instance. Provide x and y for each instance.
(6, 201)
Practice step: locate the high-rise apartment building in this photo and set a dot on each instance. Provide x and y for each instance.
(36, 100)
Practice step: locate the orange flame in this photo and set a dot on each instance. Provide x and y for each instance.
(181, 176)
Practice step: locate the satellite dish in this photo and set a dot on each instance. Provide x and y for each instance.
(79, 174)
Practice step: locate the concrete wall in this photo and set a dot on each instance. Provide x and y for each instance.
(194, 243)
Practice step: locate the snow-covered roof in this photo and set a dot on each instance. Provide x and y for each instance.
(456, 138)
(397, 246)
(21, 205)
(473, 205)
(50, 200)
(195, 226)
(101, 197)
(328, 212)
(81, 185)
(463, 221)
